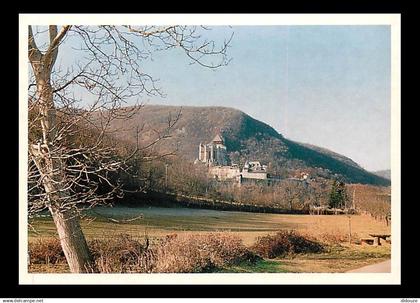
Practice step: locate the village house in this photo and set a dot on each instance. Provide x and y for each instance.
(254, 170)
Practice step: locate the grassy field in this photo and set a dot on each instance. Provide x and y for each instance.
(336, 260)
(158, 222)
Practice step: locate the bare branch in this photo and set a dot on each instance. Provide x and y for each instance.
(55, 39)
(34, 54)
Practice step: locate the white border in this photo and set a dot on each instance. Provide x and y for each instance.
(394, 20)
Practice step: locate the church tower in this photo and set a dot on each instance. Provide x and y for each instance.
(214, 152)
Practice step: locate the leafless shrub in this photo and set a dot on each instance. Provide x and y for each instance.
(200, 253)
(285, 243)
(122, 254)
(175, 253)
(46, 251)
(372, 200)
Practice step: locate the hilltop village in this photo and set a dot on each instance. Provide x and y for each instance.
(214, 156)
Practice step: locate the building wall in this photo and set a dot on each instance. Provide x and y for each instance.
(254, 175)
(213, 153)
(224, 172)
(201, 153)
(221, 155)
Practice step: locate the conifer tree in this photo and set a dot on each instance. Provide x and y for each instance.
(338, 194)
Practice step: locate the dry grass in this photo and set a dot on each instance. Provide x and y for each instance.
(286, 243)
(210, 252)
(175, 253)
(200, 253)
(336, 238)
(158, 222)
(341, 225)
(244, 227)
(122, 254)
(336, 259)
(46, 251)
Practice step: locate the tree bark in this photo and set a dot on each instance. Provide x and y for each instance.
(70, 233)
(73, 241)
(51, 169)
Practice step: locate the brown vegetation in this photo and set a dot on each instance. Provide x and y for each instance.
(285, 243)
(200, 253)
(337, 238)
(209, 252)
(180, 177)
(372, 200)
(46, 251)
(121, 254)
(175, 253)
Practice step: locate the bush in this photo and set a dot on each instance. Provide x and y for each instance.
(46, 251)
(122, 254)
(285, 243)
(200, 253)
(175, 253)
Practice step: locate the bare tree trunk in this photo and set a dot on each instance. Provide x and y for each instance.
(51, 168)
(71, 236)
(72, 241)
(54, 175)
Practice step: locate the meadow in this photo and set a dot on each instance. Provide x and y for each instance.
(158, 221)
(155, 223)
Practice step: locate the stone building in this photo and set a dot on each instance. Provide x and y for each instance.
(223, 173)
(213, 153)
(254, 170)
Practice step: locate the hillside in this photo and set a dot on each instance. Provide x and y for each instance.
(383, 173)
(246, 139)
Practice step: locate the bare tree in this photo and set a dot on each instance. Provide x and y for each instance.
(372, 200)
(72, 162)
(293, 193)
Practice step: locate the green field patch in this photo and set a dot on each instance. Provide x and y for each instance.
(261, 266)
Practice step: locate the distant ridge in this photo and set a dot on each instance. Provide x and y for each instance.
(384, 173)
(245, 138)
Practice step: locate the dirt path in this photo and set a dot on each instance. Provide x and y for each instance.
(378, 267)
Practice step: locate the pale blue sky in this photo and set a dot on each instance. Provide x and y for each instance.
(324, 85)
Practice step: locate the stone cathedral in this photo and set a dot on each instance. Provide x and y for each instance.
(213, 153)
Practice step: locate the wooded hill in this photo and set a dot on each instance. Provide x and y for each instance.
(383, 173)
(245, 137)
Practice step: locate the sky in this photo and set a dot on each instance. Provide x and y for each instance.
(324, 85)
